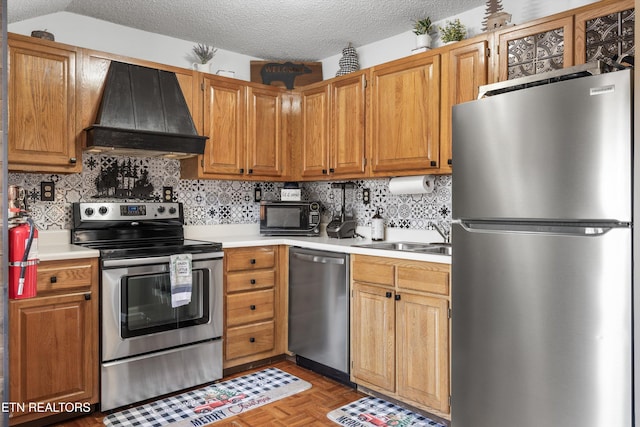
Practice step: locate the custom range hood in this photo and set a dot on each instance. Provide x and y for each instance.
(143, 112)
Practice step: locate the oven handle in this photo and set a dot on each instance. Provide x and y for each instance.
(128, 262)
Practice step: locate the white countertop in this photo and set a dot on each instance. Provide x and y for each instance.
(54, 245)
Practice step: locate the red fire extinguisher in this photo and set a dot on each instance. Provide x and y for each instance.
(23, 260)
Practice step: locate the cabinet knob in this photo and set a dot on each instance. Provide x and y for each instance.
(252, 281)
(73, 160)
(53, 279)
(87, 296)
(252, 261)
(252, 339)
(388, 295)
(250, 171)
(450, 162)
(324, 171)
(434, 163)
(241, 170)
(331, 170)
(397, 298)
(252, 307)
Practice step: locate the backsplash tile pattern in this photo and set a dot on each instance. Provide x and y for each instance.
(209, 202)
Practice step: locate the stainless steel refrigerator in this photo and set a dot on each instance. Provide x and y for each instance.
(542, 268)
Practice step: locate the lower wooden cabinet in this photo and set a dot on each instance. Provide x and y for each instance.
(255, 312)
(400, 330)
(53, 341)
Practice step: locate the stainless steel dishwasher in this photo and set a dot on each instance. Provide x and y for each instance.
(319, 311)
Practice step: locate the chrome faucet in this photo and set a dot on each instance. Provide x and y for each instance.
(446, 234)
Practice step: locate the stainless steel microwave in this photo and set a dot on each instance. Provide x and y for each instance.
(289, 218)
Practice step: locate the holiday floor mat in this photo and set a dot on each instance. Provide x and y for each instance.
(212, 403)
(371, 411)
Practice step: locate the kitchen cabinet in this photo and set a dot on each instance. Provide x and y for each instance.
(535, 47)
(253, 305)
(400, 330)
(42, 106)
(603, 30)
(465, 67)
(244, 123)
(333, 128)
(53, 339)
(404, 118)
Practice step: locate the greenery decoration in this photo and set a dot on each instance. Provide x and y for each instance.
(423, 26)
(453, 31)
(204, 53)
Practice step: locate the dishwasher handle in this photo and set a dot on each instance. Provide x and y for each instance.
(318, 258)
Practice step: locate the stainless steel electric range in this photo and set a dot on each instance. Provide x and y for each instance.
(148, 347)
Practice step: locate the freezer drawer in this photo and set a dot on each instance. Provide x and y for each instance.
(541, 328)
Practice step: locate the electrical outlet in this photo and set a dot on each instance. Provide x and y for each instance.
(167, 194)
(47, 191)
(366, 196)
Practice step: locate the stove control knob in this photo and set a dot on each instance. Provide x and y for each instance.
(172, 210)
(88, 211)
(102, 210)
(160, 209)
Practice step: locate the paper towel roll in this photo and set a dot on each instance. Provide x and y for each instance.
(421, 184)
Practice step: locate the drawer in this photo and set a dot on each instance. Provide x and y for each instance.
(249, 280)
(251, 339)
(373, 270)
(66, 275)
(424, 276)
(238, 259)
(249, 307)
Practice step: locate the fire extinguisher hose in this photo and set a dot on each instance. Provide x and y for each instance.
(25, 257)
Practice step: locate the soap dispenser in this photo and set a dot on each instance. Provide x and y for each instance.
(377, 226)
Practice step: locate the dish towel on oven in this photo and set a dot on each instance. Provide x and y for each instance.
(181, 279)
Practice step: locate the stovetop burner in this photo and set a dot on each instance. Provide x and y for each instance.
(133, 230)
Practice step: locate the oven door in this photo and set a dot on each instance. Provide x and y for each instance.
(137, 316)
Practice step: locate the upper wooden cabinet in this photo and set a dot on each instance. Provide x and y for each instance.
(404, 129)
(244, 123)
(333, 128)
(42, 106)
(465, 67)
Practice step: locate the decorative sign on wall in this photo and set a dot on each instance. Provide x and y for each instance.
(127, 179)
(286, 74)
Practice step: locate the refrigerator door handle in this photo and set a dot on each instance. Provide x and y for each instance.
(573, 229)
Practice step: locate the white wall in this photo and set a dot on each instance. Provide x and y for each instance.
(401, 45)
(92, 33)
(82, 31)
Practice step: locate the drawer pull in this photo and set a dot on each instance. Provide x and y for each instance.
(53, 279)
(252, 261)
(252, 281)
(252, 307)
(252, 339)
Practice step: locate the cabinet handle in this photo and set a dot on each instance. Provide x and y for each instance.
(450, 162)
(252, 281)
(252, 261)
(87, 296)
(397, 298)
(252, 339)
(73, 160)
(434, 163)
(53, 279)
(388, 295)
(324, 171)
(252, 307)
(241, 170)
(250, 171)
(331, 170)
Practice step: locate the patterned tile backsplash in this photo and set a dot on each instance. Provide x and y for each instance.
(221, 202)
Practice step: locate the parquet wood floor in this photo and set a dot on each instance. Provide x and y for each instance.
(306, 409)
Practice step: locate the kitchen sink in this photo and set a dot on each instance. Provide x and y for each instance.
(426, 248)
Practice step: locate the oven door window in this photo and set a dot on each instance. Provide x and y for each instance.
(146, 304)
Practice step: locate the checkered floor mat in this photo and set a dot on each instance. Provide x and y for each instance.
(371, 411)
(212, 403)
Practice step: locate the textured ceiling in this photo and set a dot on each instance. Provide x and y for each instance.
(308, 30)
